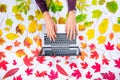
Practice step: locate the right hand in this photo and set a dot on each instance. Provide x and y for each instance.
(51, 27)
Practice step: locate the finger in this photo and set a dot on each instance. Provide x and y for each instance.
(76, 31)
(56, 29)
(71, 34)
(53, 35)
(68, 32)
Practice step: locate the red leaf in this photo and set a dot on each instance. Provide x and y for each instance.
(14, 62)
(94, 55)
(29, 71)
(73, 65)
(117, 62)
(2, 55)
(35, 52)
(53, 75)
(81, 37)
(28, 61)
(76, 74)
(16, 43)
(61, 70)
(49, 64)
(92, 47)
(108, 76)
(41, 59)
(8, 47)
(3, 65)
(42, 74)
(98, 78)
(105, 61)
(84, 65)
(96, 67)
(88, 75)
(109, 46)
(18, 78)
(10, 73)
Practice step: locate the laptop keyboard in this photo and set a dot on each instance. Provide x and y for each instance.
(60, 40)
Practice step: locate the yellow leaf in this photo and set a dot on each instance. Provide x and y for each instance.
(20, 29)
(103, 26)
(83, 45)
(90, 34)
(116, 28)
(40, 27)
(0, 32)
(11, 36)
(20, 53)
(19, 17)
(32, 26)
(38, 14)
(81, 27)
(6, 28)
(101, 39)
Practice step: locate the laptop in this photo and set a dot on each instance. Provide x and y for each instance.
(62, 46)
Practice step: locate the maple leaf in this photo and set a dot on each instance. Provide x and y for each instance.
(3, 64)
(53, 75)
(98, 78)
(73, 65)
(94, 55)
(2, 55)
(92, 46)
(76, 74)
(96, 67)
(117, 62)
(14, 62)
(29, 71)
(84, 65)
(40, 74)
(83, 55)
(28, 61)
(105, 61)
(2, 41)
(16, 43)
(27, 42)
(109, 46)
(41, 59)
(49, 64)
(88, 75)
(35, 52)
(18, 78)
(109, 76)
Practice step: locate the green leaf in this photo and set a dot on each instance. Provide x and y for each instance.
(94, 2)
(88, 24)
(118, 20)
(81, 17)
(112, 6)
(9, 22)
(3, 8)
(55, 20)
(101, 2)
(96, 14)
(19, 0)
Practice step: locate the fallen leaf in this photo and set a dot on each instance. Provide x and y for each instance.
(111, 36)
(19, 17)
(3, 64)
(38, 14)
(83, 45)
(116, 28)
(81, 27)
(20, 53)
(9, 22)
(117, 63)
(101, 39)
(16, 43)
(28, 42)
(73, 65)
(81, 18)
(108, 75)
(8, 47)
(81, 37)
(96, 14)
(14, 62)
(35, 52)
(118, 46)
(83, 55)
(32, 26)
(103, 26)
(29, 71)
(90, 34)
(18, 78)
(92, 46)
(39, 27)
(3, 8)
(108, 46)
(94, 55)
(96, 67)
(76, 74)
(53, 75)
(61, 20)
(2, 55)
(89, 75)
(41, 74)
(84, 65)
(41, 59)
(2, 41)
(10, 73)
(28, 60)
(20, 28)
(1, 32)
(105, 61)
(11, 36)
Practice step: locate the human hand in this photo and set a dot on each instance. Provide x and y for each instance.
(51, 27)
(71, 29)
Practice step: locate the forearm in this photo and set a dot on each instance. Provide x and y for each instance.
(71, 5)
(42, 5)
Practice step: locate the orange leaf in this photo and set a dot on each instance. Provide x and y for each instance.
(111, 36)
(28, 42)
(61, 70)
(118, 46)
(10, 73)
(83, 45)
(83, 55)
(39, 42)
(16, 43)
(2, 41)
(2, 55)
(20, 53)
(8, 47)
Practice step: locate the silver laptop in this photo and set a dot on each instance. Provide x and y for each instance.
(62, 46)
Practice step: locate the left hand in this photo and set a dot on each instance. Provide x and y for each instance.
(71, 28)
